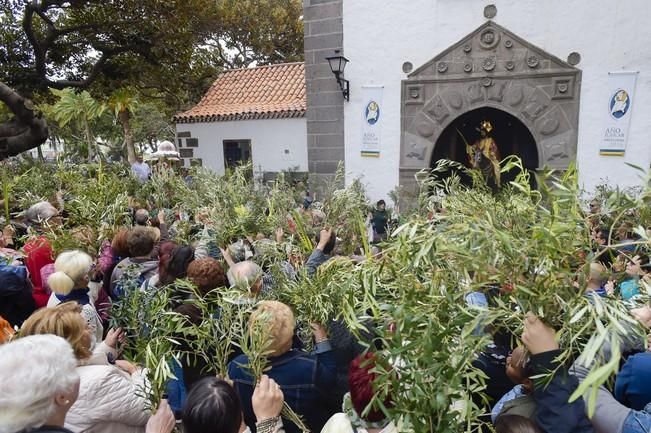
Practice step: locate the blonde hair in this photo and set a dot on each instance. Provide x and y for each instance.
(69, 268)
(279, 322)
(598, 273)
(64, 320)
(33, 370)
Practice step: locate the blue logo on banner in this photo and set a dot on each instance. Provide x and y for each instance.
(372, 113)
(619, 104)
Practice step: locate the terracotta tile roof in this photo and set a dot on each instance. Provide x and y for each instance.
(265, 92)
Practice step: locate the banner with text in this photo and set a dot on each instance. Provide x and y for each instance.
(372, 113)
(617, 114)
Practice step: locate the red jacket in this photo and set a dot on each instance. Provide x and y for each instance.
(38, 253)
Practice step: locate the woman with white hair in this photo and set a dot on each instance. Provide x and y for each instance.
(69, 282)
(111, 397)
(38, 384)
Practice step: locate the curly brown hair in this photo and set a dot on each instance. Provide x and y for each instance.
(207, 274)
(64, 320)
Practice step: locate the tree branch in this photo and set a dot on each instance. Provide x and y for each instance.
(26, 131)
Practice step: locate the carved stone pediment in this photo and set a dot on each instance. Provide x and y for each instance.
(491, 67)
(491, 50)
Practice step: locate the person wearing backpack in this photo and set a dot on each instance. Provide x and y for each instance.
(141, 242)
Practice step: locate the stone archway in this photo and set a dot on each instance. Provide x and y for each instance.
(491, 67)
(510, 134)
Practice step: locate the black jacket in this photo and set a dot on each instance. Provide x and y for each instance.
(16, 302)
(48, 429)
(554, 414)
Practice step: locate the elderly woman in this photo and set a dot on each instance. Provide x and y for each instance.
(69, 282)
(110, 396)
(305, 379)
(38, 384)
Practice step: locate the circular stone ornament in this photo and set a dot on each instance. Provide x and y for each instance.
(442, 67)
(490, 11)
(574, 58)
(407, 67)
(467, 48)
(508, 43)
(533, 62)
(510, 65)
(489, 39)
(467, 67)
(489, 63)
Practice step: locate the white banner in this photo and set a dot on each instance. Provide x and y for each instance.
(372, 113)
(617, 113)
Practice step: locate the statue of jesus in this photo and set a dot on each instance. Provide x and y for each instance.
(484, 155)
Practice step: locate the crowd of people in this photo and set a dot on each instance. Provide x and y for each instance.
(62, 370)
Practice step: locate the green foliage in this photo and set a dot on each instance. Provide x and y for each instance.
(151, 331)
(345, 210)
(531, 246)
(320, 298)
(274, 36)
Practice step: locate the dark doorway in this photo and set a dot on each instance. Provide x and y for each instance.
(236, 152)
(510, 134)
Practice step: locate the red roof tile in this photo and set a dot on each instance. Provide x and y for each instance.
(265, 92)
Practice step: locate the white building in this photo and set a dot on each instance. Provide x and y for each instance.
(546, 73)
(253, 114)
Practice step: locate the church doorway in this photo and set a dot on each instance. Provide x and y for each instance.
(510, 135)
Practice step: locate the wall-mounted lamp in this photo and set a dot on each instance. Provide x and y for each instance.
(337, 66)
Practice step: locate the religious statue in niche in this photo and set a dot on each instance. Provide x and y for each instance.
(484, 155)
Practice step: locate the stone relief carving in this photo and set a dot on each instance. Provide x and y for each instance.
(543, 95)
(532, 61)
(424, 125)
(496, 92)
(437, 109)
(563, 88)
(553, 122)
(454, 99)
(515, 96)
(489, 39)
(489, 63)
(486, 82)
(490, 11)
(535, 105)
(475, 93)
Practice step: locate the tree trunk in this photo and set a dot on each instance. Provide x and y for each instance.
(89, 140)
(25, 131)
(124, 117)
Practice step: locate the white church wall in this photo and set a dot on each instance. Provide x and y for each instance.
(276, 144)
(380, 35)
